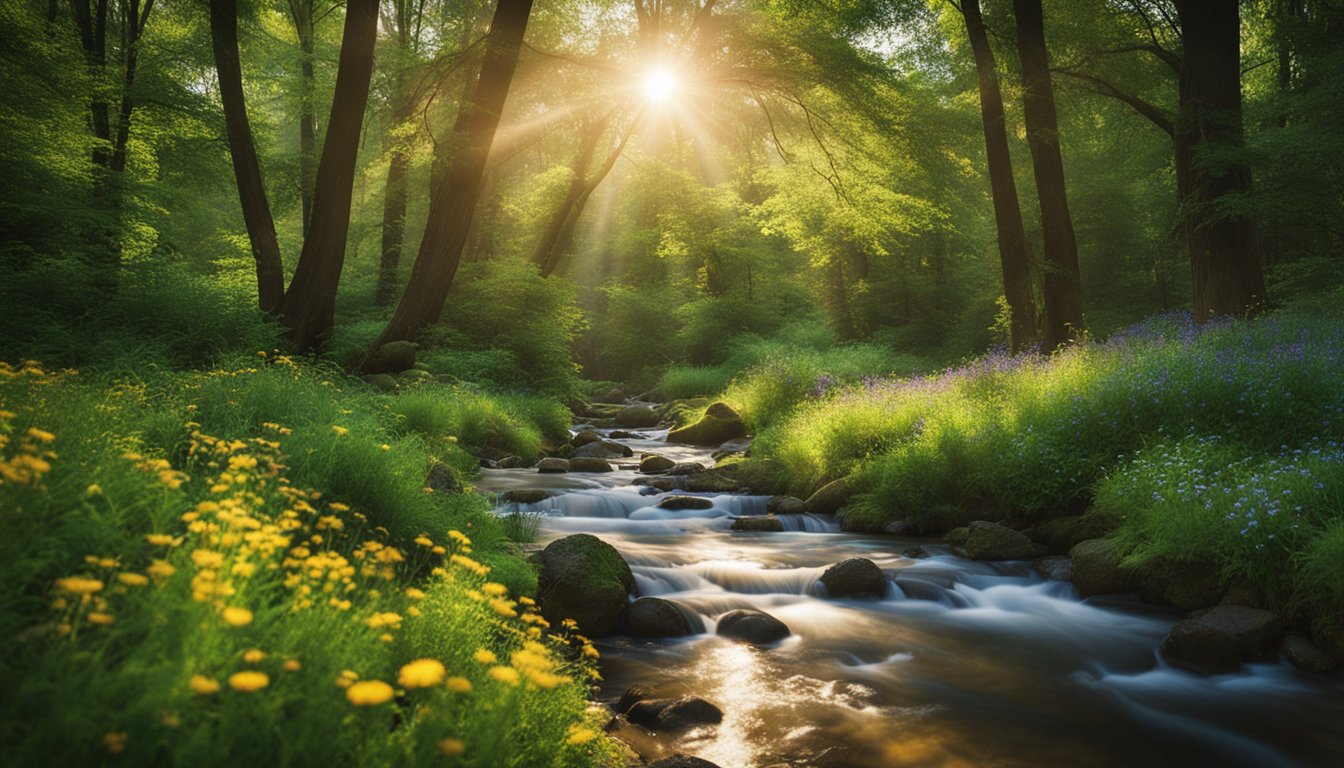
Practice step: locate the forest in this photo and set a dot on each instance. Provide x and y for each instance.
(676, 383)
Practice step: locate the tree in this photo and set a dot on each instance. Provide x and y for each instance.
(1062, 292)
(454, 200)
(1014, 256)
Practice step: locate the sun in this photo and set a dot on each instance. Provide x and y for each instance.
(660, 86)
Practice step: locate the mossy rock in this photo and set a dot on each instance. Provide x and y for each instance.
(829, 498)
(637, 417)
(585, 579)
(719, 425)
(393, 357)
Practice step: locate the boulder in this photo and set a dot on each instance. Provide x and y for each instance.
(719, 425)
(682, 761)
(991, 541)
(1055, 568)
(915, 553)
(686, 468)
(956, 538)
(511, 462)
(1183, 584)
(1096, 568)
(585, 437)
(637, 416)
(564, 451)
(751, 626)
(621, 434)
(602, 449)
(711, 482)
(632, 696)
(1060, 534)
(662, 484)
(686, 502)
(855, 577)
(1255, 631)
(674, 714)
(525, 496)
(553, 465)
(585, 579)
(1201, 648)
(829, 498)
(442, 480)
(392, 357)
(383, 382)
(758, 523)
(655, 617)
(613, 396)
(652, 463)
(589, 464)
(786, 505)
(1305, 655)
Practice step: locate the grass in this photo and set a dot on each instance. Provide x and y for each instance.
(242, 564)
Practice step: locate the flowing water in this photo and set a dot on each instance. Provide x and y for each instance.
(993, 667)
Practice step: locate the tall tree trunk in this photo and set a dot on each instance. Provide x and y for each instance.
(1225, 266)
(246, 169)
(454, 199)
(304, 13)
(394, 196)
(1062, 290)
(134, 27)
(1014, 258)
(310, 303)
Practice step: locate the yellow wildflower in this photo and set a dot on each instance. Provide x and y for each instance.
(340, 431)
(93, 490)
(291, 665)
(41, 435)
(254, 656)
(485, 657)
(581, 735)
(160, 570)
(415, 594)
(367, 693)
(115, 742)
(133, 579)
(421, 673)
(204, 558)
(98, 617)
(506, 675)
(79, 585)
(249, 681)
(161, 540)
(458, 684)
(452, 747)
(237, 617)
(494, 590)
(203, 686)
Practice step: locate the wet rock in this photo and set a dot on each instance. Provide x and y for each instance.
(900, 527)
(1255, 631)
(589, 464)
(652, 463)
(637, 416)
(991, 541)
(613, 395)
(855, 577)
(1305, 655)
(1096, 568)
(711, 482)
(525, 495)
(919, 589)
(1062, 534)
(758, 523)
(645, 490)
(553, 465)
(603, 449)
(442, 480)
(585, 437)
(674, 714)
(956, 538)
(662, 484)
(1055, 568)
(632, 696)
(511, 462)
(1201, 648)
(392, 357)
(682, 761)
(916, 553)
(686, 502)
(719, 425)
(1183, 584)
(786, 505)
(686, 468)
(751, 626)
(621, 434)
(829, 498)
(655, 617)
(564, 451)
(585, 579)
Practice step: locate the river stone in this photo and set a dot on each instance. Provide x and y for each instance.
(829, 498)
(652, 463)
(916, 553)
(1062, 534)
(758, 523)
(553, 465)
(1055, 568)
(1096, 568)
(525, 495)
(682, 761)
(686, 468)
(632, 696)
(621, 434)
(442, 480)
(511, 462)
(603, 449)
(392, 357)
(755, 627)
(719, 425)
(788, 505)
(991, 541)
(855, 577)
(655, 617)
(585, 579)
(1303, 654)
(637, 416)
(613, 396)
(712, 482)
(956, 538)
(585, 437)
(589, 464)
(674, 714)
(686, 502)
(1201, 648)
(1255, 631)
(1183, 584)
(662, 484)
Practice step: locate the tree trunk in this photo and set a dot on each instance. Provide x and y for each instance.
(1014, 258)
(1224, 263)
(304, 14)
(134, 27)
(394, 196)
(454, 199)
(310, 303)
(246, 169)
(1062, 290)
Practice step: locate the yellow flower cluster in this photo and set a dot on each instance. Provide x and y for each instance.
(27, 460)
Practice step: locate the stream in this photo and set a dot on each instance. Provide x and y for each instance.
(993, 667)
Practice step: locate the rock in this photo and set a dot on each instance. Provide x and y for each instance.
(1055, 568)
(1201, 648)
(442, 479)
(1242, 592)
(525, 495)
(488, 453)
(991, 541)
(686, 468)
(655, 617)
(900, 527)
(652, 463)
(682, 761)
(511, 462)
(589, 464)
(674, 714)
(711, 482)
(956, 538)
(1303, 654)
(719, 425)
(633, 695)
(758, 523)
(662, 484)
(1255, 631)
(1096, 568)
(829, 498)
(383, 382)
(602, 449)
(1061, 534)
(855, 577)
(787, 505)
(621, 434)
(755, 627)
(919, 589)
(686, 502)
(916, 553)
(414, 376)
(613, 396)
(585, 437)
(637, 416)
(1183, 584)
(392, 357)
(585, 579)
(564, 451)
(553, 465)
